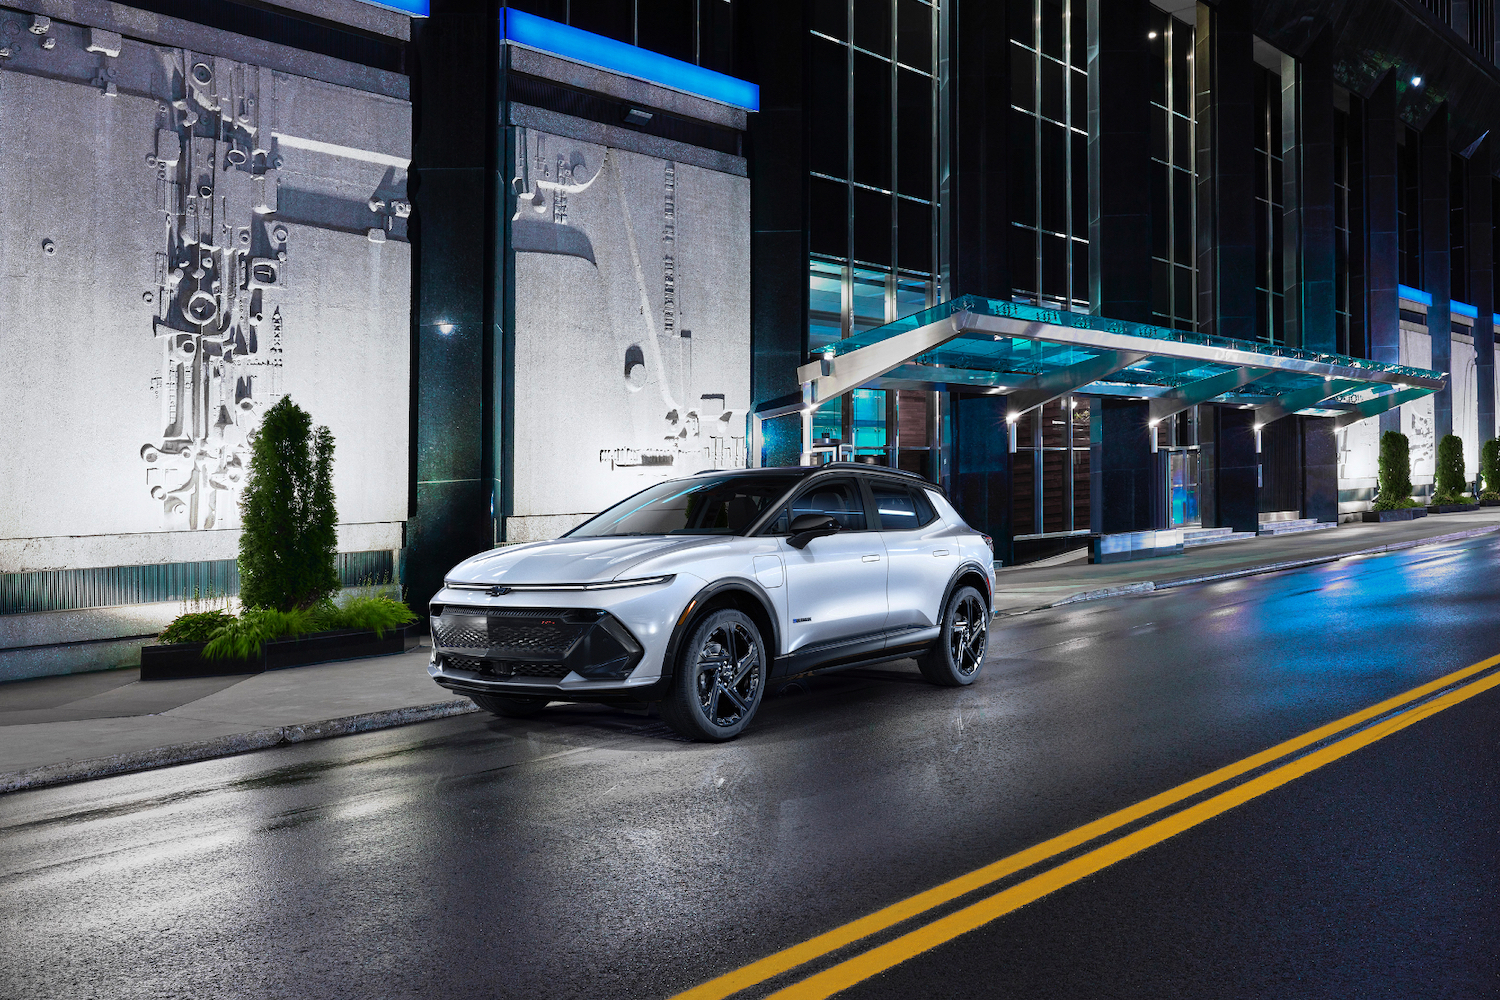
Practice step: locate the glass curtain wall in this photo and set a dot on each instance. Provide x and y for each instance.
(1270, 315)
(1049, 249)
(872, 216)
(1458, 257)
(1173, 177)
(1409, 205)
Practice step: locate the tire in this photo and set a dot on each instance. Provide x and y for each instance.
(720, 678)
(510, 706)
(958, 655)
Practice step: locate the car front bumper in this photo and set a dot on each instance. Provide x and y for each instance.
(595, 645)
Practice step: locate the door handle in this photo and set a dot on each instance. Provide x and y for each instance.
(939, 552)
(872, 559)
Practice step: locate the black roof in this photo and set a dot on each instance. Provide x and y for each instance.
(801, 471)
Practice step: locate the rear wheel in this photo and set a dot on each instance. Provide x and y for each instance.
(720, 678)
(509, 706)
(958, 655)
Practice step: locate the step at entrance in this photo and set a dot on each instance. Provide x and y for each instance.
(1288, 527)
(1280, 515)
(1193, 537)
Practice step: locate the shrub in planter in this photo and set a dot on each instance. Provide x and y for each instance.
(1489, 469)
(1449, 485)
(290, 536)
(1394, 490)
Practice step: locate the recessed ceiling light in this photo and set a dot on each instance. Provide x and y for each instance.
(1150, 34)
(1416, 81)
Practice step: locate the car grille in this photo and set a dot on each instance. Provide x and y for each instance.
(506, 668)
(523, 633)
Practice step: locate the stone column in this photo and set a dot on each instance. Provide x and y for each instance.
(776, 149)
(979, 210)
(1120, 159)
(1482, 279)
(1122, 469)
(1436, 278)
(1307, 171)
(1382, 261)
(1226, 170)
(981, 468)
(1233, 468)
(1320, 468)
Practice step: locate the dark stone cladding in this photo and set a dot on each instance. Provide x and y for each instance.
(1122, 468)
(286, 27)
(981, 468)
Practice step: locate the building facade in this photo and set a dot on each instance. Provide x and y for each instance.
(1097, 266)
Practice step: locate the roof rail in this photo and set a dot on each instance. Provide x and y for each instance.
(863, 467)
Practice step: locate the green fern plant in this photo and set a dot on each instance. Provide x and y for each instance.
(195, 626)
(241, 638)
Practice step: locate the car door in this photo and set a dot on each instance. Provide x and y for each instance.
(836, 583)
(920, 552)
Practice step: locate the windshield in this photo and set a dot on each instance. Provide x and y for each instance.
(709, 505)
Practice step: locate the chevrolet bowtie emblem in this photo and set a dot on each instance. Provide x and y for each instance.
(498, 591)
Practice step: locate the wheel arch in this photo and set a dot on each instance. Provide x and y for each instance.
(971, 574)
(738, 593)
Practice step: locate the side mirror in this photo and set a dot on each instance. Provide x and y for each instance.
(806, 527)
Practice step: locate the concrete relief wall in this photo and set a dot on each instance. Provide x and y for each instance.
(1465, 383)
(184, 239)
(1417, 418)
(632, 326)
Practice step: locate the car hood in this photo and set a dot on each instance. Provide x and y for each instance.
(576, 560)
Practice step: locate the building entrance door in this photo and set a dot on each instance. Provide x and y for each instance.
(1182, 485)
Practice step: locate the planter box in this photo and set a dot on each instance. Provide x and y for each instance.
(184, 659)
(1404, 514)
(1452, 508)
(1489, 503)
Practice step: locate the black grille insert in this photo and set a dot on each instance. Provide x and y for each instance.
(534, 642)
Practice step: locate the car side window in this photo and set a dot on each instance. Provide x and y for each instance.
(901, 507)
(839, 498)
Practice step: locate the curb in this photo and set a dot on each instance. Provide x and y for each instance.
(1149, 586)
(227, 746)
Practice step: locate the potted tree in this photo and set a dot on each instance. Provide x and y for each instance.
(1489, 472)
(1448, 491)
(288, 572)
(1393, 500)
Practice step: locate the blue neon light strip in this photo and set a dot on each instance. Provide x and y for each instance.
(1414, 294)
(1464, 309)
(629, 60)
(416, 8)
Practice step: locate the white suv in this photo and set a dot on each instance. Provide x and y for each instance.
(696, 593)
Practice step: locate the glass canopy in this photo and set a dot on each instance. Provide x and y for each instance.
(1034, 355)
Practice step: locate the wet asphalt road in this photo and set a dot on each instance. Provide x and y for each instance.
(589, 853)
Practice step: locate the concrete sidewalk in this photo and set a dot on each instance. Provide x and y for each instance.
(76, 726)
(1019, 590)
(79, 726)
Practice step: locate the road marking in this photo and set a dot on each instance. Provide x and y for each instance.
(913, 943)
(830, 941)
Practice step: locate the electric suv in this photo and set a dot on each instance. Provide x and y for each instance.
(696, 593)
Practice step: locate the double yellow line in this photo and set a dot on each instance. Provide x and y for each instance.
(1408, 708)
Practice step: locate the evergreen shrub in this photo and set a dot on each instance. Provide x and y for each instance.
(1489, 469)
(289, 538)
(1450, 483)
(1394, 491)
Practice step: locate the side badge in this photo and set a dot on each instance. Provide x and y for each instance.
(799, 621)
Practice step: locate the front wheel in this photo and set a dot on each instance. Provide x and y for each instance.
(958, 655)
(509, 706)
(720, 677)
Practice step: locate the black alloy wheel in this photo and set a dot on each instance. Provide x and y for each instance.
(958, 655)
(721, 674)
